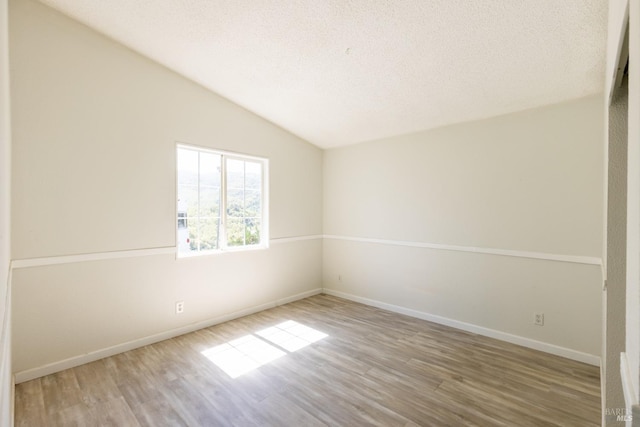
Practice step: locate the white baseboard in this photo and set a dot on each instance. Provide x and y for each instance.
(130, 345)
(72, 362)
(492, 333)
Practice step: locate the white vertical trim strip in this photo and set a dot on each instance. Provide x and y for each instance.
(632, 339)
(6, 374)
(627, 382)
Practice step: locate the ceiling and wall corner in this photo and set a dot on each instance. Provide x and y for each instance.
(337, 73)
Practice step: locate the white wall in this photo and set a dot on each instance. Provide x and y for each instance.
(94, 131)
(528, 183)
(6, 377)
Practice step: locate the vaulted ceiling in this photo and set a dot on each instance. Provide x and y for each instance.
(338, 72)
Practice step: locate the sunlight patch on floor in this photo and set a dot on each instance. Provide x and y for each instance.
(249, 352)
(291, 335)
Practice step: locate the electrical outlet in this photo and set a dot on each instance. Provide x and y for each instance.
(179, 307)
(538, 319)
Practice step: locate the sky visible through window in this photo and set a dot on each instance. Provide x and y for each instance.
(242, 355)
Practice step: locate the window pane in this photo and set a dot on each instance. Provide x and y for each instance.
(235, 231)
(184, 246)
(235, 203)
(253, 175)
(253, 203)
(187, 167)
(187, 200)
(252, 231)
(210, 170)
(187, 235)
(187, 186)
(209, 202)
(209, 234)
(235, 173)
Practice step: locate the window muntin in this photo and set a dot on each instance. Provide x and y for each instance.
(220, 201)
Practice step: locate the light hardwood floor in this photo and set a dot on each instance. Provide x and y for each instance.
(373, 368)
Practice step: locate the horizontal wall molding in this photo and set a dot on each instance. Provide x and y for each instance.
(98, 256)
(577, 259)
(134, 253)
(170, 250)
(492, 333)
(92, 356)
(279, 240)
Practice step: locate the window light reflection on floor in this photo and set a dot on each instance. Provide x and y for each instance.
(291, 335)
(249, 352)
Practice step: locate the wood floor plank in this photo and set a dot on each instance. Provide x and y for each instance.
(96, 383)
(229, 407)
(374, 367)
(191, 405)
(107, 413)
(60, 391)
(157, 411)
(137, 386)
(275, 408)
(29, 405)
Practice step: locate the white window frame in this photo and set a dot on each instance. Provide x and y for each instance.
(222, 236)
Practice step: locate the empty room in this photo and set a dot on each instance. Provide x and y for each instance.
(308, 213)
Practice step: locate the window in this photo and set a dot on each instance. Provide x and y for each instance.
(221, 201)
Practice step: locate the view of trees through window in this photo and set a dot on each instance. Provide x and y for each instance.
(244, 202)
(219, 201)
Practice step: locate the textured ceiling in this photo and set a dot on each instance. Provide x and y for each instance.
(338, 72)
